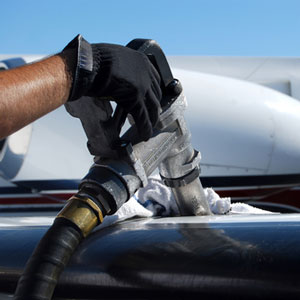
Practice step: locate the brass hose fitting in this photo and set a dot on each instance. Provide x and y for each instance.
(83, 212)
(75, 221)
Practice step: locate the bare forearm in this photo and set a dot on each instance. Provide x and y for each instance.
(31, 91)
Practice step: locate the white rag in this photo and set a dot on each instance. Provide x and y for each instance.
(156, 199)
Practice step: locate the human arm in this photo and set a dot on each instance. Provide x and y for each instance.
(31, 91)
(105, 71)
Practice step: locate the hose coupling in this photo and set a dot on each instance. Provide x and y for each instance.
(83, 212)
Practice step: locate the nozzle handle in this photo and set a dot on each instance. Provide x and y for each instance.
(171, 88)
(152, 49)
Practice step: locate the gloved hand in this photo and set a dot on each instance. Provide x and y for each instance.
(121, 74)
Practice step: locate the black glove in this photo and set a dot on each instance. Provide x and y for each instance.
(121, 74)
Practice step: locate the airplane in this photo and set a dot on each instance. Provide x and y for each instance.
(243, 113)
(245, 132)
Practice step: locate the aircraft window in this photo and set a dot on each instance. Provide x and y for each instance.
(2, 144)
(3, 66)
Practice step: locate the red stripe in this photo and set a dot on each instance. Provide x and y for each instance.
(285, 196)
(240, 193)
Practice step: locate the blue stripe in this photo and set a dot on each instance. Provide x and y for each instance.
(29, 186)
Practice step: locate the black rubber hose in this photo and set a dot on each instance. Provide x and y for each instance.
(48, 260)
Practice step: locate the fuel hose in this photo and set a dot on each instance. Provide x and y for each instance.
(76, 220)
(48, 261)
